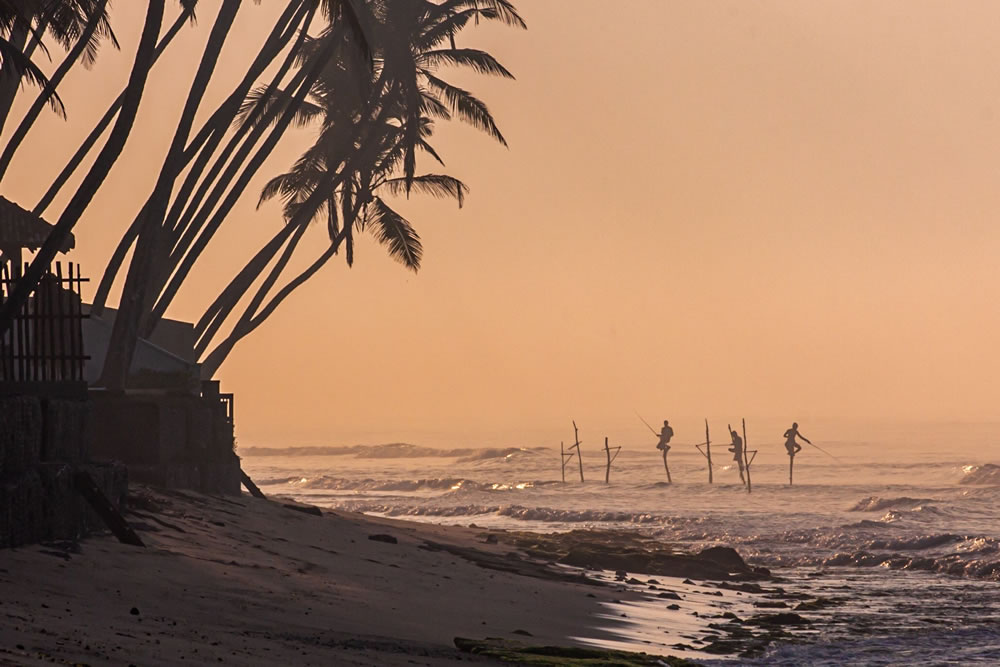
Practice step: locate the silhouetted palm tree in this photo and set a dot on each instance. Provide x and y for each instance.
(346, 185)
(87, 39)
(102, 165)
(78, 26)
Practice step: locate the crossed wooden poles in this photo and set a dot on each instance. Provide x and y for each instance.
(567, 454)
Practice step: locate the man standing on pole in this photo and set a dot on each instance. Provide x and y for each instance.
(793, 447)
(664, 445)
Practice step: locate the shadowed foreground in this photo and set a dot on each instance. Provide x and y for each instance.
(244, 581)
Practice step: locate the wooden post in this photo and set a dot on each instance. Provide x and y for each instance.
(579, 456)
(666, 467)
(611, 459)
(112, 518)
(562, 460)
(746, 456)
(607, 471)
(251, 487)
(708, 451)
(791, 464)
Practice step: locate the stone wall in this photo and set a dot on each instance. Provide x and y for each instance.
(42, 446)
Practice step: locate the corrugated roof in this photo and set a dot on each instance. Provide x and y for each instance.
(24, 229)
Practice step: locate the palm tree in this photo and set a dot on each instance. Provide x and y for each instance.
(96, 27)
(78, 26)
(142, 282)
(408, 92)
(98, 171)
(119, 357)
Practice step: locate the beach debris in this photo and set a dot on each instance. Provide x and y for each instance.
(668, 595)
(673, 607)
(113, 519)
(305, 509)
(382, 537)
(250, 486)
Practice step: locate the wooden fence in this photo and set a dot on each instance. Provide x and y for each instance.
(44, 347)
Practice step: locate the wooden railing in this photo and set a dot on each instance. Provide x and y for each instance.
(45, 344)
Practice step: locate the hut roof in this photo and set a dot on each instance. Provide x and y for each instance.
(23, 229)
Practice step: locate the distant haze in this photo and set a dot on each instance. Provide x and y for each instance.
(786, 209)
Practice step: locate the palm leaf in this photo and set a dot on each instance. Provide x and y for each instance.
(395, 233)
(480, 61)
(466, 106)
(435, 185)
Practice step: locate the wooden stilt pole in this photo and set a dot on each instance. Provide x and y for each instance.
(579, 457)
(607, 471)
(562, 461)
(791, 463)
(666, 467)
(611, 459)
(746, 456)
(708, 452)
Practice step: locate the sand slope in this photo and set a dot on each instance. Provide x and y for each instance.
(245, 581)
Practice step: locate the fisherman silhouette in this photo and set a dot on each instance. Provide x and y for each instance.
(737, 450)
(790, 444)
(665, 434)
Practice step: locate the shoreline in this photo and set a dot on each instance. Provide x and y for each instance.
(246, 581)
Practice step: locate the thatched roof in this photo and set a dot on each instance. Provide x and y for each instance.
(23, 229)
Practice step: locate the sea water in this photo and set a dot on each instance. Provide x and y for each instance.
(903, 525)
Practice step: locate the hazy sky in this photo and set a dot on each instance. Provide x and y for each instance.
(707, 208)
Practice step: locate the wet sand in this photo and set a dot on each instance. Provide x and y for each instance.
(246, 581)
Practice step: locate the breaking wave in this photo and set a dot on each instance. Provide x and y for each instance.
(984, 475)
(449, 484)
(877, 504)
(398, 450)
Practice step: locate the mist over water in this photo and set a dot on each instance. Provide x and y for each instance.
(901, 512)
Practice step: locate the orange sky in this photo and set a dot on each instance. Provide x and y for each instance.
(724, 208)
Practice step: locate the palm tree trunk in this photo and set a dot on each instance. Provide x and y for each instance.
(98, 171)
(266, 286)
(48, 91)
(114, 264)
(216, 314)
(102, 125)
(217, 124)
(219, 354)
(125, 333)
(10, 77)
(237, 287)
(200, 230)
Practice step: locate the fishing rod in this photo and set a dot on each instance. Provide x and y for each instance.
(645, 422)
(823, 450)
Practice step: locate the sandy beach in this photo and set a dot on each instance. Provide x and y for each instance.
(247, 581)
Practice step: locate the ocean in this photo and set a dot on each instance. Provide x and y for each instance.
(900, 526)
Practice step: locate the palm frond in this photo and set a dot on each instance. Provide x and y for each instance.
(480, 61)
(395, 233)
(435, 185)
(466, 106)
